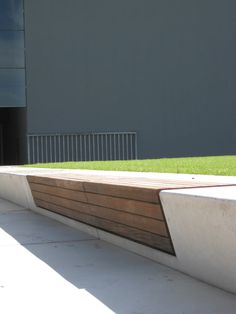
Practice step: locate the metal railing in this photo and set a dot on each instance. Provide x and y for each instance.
(81, 147)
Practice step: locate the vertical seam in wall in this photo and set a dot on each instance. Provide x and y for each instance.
(85, 193)
(27, 158)
(25, 54)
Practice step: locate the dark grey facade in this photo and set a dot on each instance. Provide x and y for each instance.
(163, 69)
(12, 83)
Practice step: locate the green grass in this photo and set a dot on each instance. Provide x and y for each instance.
(215, 165)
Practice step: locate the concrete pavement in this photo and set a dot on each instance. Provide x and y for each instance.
(48, 267)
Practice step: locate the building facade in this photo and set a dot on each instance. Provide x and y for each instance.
(101, 79)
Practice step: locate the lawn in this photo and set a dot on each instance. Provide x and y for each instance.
(214, 165)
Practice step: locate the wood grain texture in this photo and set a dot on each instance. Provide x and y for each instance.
(59, 182)
(139, 236)
(134, 193)
(128, 211)
(132, 206)
(58, 191)
(130, 192)
(136, 221)
(127, 206)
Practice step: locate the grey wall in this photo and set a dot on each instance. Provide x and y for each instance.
(166, 69)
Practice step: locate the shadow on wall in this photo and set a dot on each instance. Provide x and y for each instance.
(12, 136)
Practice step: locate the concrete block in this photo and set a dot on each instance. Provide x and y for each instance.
(202, 224)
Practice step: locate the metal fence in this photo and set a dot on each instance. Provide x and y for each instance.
(81, 147)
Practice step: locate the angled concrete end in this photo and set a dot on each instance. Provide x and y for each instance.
(202, 223)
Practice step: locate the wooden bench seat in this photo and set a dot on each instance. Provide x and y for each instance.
(126, 207)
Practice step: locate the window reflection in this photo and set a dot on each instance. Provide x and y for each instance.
(12, 49)
(11, 14)
(12, 88)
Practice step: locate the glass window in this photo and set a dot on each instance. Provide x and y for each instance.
(12, 49)
(11, 15)
(12, 88)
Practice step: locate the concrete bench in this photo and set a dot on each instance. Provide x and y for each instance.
(131, 212)
(185, 222)
(202, 224)
(127, 207)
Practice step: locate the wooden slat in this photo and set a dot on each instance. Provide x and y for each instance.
(136, 207)
(140, 222)
(140, 236)
(127, 206)
(57, 191)
(155, 183)
(134, 193)
(58, 182)
(132, 206)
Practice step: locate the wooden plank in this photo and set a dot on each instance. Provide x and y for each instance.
(136, 207)
(139, 236)
(57, 191)
(139, 222)
(156, 184)
(134, 193)
(131, 192)
(132, 206)
(58, 182)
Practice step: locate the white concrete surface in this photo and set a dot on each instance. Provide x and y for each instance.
(17, 170)
(189, 246)
(14, 186)
(219, 193)
(202, 224)
(47, 267)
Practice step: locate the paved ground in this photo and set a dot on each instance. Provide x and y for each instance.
(47, 267)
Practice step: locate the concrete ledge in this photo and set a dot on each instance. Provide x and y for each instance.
(202, 224)
(14, 188)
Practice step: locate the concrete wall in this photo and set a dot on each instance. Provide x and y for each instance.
(163, 68)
